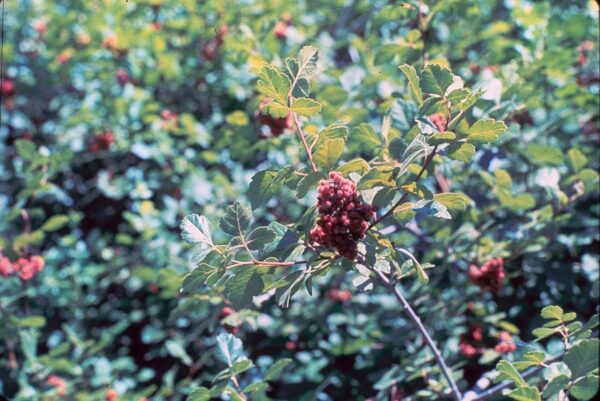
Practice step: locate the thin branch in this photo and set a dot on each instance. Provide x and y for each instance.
(236, 384)
(303, 139)
(485, 380)
(417, 321)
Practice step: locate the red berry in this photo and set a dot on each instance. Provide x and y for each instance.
(276, 125)
(490, 276)
(102, 141)
(111, 395)
(7, 87)
(280, 30)
(123, 76)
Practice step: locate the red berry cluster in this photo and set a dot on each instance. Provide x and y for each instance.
(102, 141)
(7, 87)
(276, 125)
(470, 343)
(489, 276)
(335, 295)
(123, 76)
(506, 343)
(439, 121)
(344, 218)
(58, 383)
(26, 268)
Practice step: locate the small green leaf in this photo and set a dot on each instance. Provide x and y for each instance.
(308, 182)
(376, 177)
(262, 187)
(333, 131)
(544, 155)
(176, 350)
(276, 110)
(229, 348)
(582, 358)
(560, 382)
(328, 153)
(199, 394)
(543, 332)
(485, 131)
(525, 394)
(275, 370)
(236, 220)
(196, 229)
(35, 322)
(26, 149)
(508, 372)
(461, 151)
(452, 200)
(199, 277)
(576, 159)
(436, 79)
(260, 237)
(55, 223)
(552, 312)
(305, 107)
(366, 136)
(359, 166)
(274, 84)
(245, 284)
(421, 275)
(441, 137)
(413, 82)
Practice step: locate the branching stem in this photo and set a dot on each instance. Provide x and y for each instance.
(303, 139)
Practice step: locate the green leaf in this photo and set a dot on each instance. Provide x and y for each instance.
(436, 79)
(576, 160)
(328, 153)
(245, 284)
(290, 284)
(525, 394)
(276, 110)
(376, 177)
(452, 200)
(333, 131)
(198, 277)
(34, 322)
(259, 238)
(560, 382)
(508, 372)
(262, 187)
(544, 154)
(404, 213)
(307, 61)
(305, 107)
(441, 137)
(308, 182)
(241, 365)
(413, 82)
(485, 131)
(552, 312)
(199, 394)
(421, 275)
(585, 388)
(176, 350)
(196, 229)
(463, 152)
(275, 370)
(236, 220)
(274, 84)
(359, 166)
(543, 332)
(582, 358)
(229, 348)
(26, 149)
(55, 223)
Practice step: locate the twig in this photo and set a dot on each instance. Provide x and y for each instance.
(303, 139)
(473, 395)
(417, 321)
(236, 384)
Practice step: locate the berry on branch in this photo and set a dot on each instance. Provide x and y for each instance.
(489, 276)
(276, 125)
(344, 218)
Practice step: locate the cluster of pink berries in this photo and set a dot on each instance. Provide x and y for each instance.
(26, 267)
(489, 276)
(102, 141)
(344, 218)
(506, 343)
(471, 343)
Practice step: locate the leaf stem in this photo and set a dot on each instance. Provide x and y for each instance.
(303, 139)
(417, 321)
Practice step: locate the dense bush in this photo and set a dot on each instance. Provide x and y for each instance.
(313, 200)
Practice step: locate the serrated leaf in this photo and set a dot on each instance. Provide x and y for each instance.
(436, 79)
(26, 149)
(333, 131)
(275, 370)
(259, 238)
(485, 131)
(452, 200)
(198, 277)
(243, 286)
(421, 275)
(236, 220)
(586, 388)
(376, 177)
(543, 332)
(441, 137)
(576, 159)
(552, 312)
(525, 394)
(508, 372)
(262, 188)
(196, 229)
(229, 349)
(359, 166)
(328, 153)
(305, 106)
(544, 155)
(308, 182)
(276, 110)
(463, 152)
(274, 84)
(432, 208)
(582, 358)
(413, 82)
(307, 61)
(404, 213)
(367, 137)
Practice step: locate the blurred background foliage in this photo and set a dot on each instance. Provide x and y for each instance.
(120, 117)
